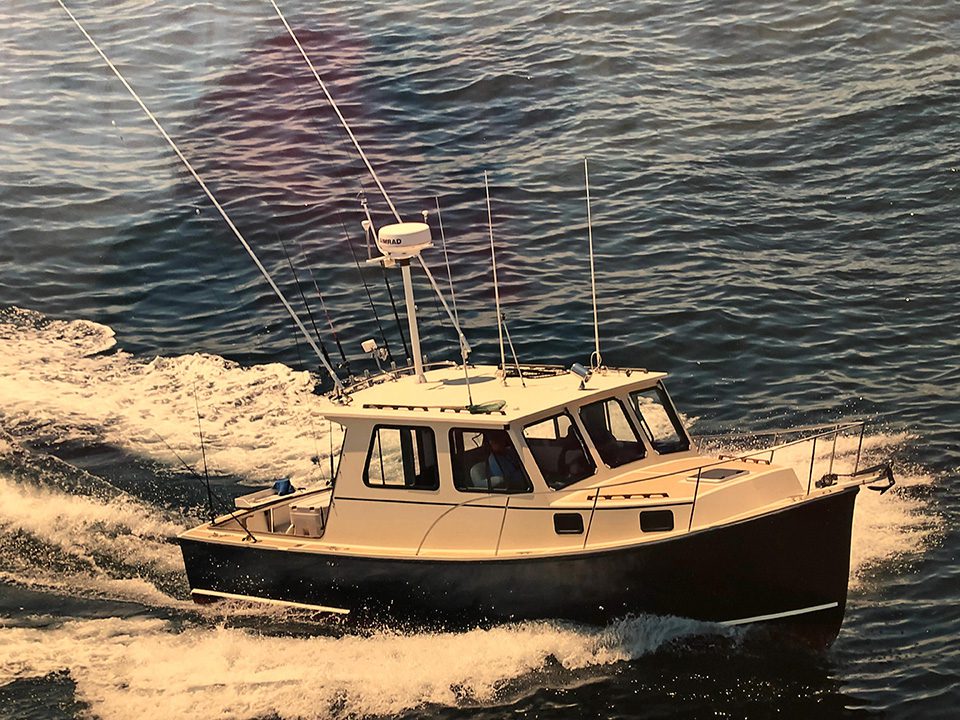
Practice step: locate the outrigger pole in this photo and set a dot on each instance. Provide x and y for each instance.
(336, 109)
(369, 227)
(203, 186)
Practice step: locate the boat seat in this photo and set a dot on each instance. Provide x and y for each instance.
(471, 469)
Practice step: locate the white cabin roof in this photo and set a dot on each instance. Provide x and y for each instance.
(443, 397)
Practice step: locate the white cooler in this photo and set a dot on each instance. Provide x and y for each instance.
(309, 518)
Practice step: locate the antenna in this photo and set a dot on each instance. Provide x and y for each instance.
(496, 285)
(336, 109)
(513, 352)
(464, 348)
(203, 186)
(595, 359)
(461, 338)
(464, 345)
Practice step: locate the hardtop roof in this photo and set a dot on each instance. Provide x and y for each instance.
(443, 397)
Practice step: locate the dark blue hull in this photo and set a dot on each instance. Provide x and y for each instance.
(765, 569)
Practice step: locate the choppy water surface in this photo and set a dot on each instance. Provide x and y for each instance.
(775, 195)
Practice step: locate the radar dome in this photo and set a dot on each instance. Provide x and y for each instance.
(404, 240)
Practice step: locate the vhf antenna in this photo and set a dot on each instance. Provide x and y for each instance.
(596, 361)
(496, 285)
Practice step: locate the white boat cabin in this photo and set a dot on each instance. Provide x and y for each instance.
(549, 464)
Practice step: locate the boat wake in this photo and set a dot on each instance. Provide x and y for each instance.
(65, 530)
(64, 381)
(70, 532)
(121, 666)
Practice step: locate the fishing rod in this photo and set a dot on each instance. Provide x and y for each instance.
(203, 454)
(190, 469)
(323, 306)
(338, 385)
(366, 289)
(303, 298)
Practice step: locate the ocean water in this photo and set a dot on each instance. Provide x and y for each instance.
(775, 195)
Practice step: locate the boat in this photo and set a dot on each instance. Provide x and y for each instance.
(607, 509)
(468, 493)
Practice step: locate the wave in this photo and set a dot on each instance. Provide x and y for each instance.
(122, 666)
(259, 423)
(65, 530)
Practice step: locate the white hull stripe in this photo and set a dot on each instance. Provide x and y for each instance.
(777, 616)
(270, 601)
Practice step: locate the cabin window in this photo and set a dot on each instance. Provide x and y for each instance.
(402, 457)
(558, 450)
(612, 432)
(659, 420)
(486, 461)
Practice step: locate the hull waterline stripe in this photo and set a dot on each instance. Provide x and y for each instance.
(270, 601)
(777, 616)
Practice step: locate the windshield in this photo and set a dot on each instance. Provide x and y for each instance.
(558, 449)
(612, 432)
(659, 420)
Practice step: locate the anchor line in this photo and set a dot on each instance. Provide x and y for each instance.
(206, 190)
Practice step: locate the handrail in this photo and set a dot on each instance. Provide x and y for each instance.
(834, 430)
(693, 505)
(784, 431)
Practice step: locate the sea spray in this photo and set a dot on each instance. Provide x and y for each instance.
(121, 667)
(259, 422)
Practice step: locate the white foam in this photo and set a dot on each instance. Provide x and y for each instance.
(104, 549)
(260, 422)
(124, 668)
(85, 527)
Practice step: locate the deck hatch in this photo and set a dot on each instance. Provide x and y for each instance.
(718, 474)
(568, 523)
(656, 520)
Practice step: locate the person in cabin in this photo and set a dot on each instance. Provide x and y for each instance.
(502, 469)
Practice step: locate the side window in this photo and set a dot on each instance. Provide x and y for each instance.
(486, 461)
(402, 457)
(558, 449)
(612, 432)
(660, 421)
